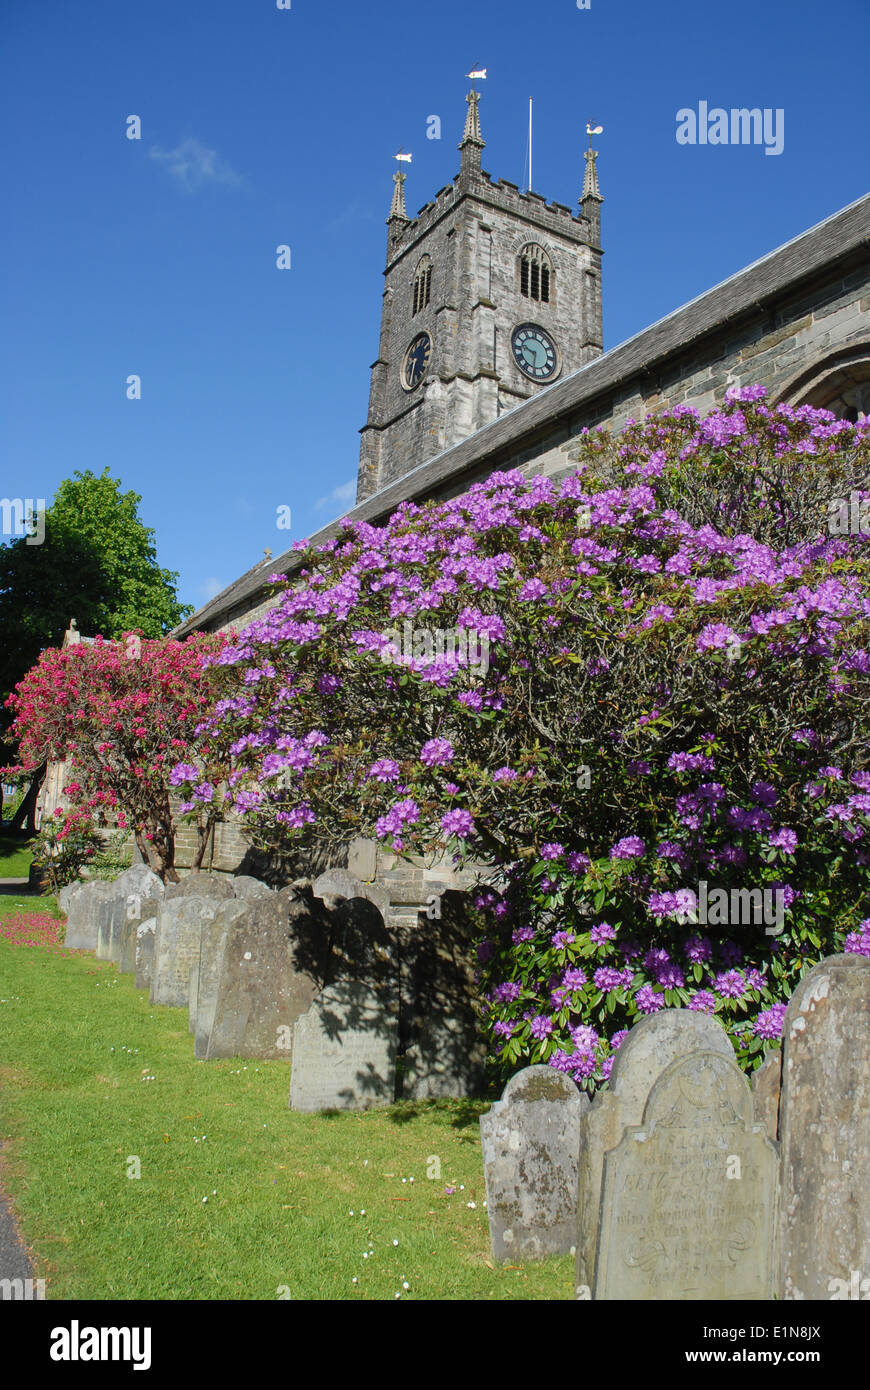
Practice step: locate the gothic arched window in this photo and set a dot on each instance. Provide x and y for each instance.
(422, 284)
(536, 273)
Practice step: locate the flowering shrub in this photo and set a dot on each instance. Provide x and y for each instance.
(673, 700)
(66, 842)
(122, 714)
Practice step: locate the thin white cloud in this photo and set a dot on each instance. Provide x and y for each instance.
(210, 588)
(193, 165)
(342, 495)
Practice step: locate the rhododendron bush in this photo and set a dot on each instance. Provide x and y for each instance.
(621, 693)
(122, 714)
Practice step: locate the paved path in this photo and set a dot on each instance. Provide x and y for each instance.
(19, 886)
(14, 1263)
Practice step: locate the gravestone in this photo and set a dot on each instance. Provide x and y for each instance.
(766, 1081)
(83, 915)
(201, 885)
(111, 914)
(689, 1199)
(143, 893)
(651, 1046)
(271, 967)
(825, 1133)
(345, 1045)
(246, 887)
(443, 1053)
(145, 953)
(531, 1151)
(211, 952)
(176, 946)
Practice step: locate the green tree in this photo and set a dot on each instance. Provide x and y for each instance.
(97, 563)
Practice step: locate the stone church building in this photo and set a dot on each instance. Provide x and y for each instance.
(490, 357)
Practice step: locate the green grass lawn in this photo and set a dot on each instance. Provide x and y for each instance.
(93, 1077)
(15, 856)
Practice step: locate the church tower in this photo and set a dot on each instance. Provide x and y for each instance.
(490, 294)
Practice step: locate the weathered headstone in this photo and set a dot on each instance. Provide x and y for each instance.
(531, 1150)
(825, 1133)
(689, 1199)
(176, 946)
(272, 960)
(83, 915)
(246, 887)
(145, 953)
(766, 1082)
(208, 969)
(443, 1051)
(110, 915)
(651, 1046)
(345, 1045)
(143, 893)
(201, 885)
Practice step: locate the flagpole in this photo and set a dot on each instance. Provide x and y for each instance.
(530, 145)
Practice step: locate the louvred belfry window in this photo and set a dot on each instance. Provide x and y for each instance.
(422, 285)
(535, 273)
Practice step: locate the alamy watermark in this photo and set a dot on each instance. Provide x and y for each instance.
(466, 646)
(23, 516)
(735, 907)
(742, 125)
(22, 1290)
(849, 518)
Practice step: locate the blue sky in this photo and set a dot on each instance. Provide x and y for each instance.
(263, 127)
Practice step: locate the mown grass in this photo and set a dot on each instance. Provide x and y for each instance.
(77, 1107)
(16, 853)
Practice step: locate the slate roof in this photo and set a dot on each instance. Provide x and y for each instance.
(798, 260)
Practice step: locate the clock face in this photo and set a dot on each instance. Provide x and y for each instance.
(534, 352)
(416, 361)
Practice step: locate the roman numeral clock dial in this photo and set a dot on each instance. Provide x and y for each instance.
(534, 352)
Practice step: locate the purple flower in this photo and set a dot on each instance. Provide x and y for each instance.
(541, 1027)
(630, 847)
(783, 839)
(576, 862)
(703, 1002)
(575, 978)
(552, 850)
(602, 932)
(606, 978)
(523, 934)
(458, 823)
(561, 939)
(698, 948)
(585, 1039)
(648, 1001)
(768, 1024)
(384, 770)
(437, 752)
(730, 984)
(670, 977)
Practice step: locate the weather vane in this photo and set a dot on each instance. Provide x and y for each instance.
(592, 129)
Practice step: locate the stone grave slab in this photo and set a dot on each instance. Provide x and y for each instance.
(651, 1046)
(211, 952)
(176, 946)
(766, 1083)
(689, 1199)
(345, 1045)
(271, 967)
(145, 952)
(83, 915)
(825, 1134)
(531, 1151)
